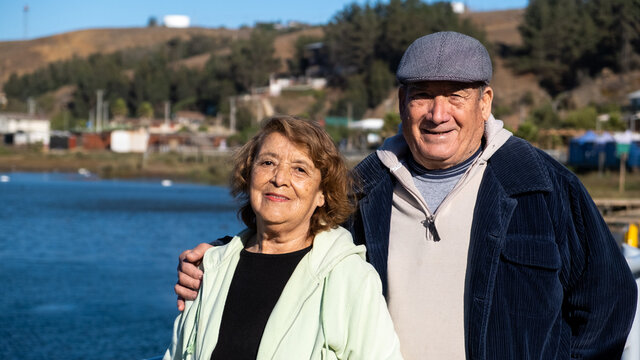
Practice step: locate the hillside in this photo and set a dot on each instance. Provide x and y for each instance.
(26, 56)
(516, 92)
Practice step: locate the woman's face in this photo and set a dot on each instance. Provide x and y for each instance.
(285, 185)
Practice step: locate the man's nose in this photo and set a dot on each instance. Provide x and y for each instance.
(440, 110)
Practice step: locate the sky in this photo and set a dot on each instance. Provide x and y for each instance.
(50, 17)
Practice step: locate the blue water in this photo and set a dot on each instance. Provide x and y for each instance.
(87, 266)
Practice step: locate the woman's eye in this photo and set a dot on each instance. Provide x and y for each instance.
(301, 170)
(267, 162)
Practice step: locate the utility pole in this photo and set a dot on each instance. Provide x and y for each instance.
(99, 94)
(105, 115)
(31, 105)
(166, 113)
(349, 115)
(232, 114)
(25, 21)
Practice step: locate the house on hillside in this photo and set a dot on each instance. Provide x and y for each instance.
(192, 120)
(23, 129)
(633, 118)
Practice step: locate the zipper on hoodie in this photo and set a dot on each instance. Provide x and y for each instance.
(430, 221)
(430, 224)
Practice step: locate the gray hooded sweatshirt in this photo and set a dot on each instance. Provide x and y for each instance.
(426, 277)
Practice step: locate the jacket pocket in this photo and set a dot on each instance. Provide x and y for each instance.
(527, 282)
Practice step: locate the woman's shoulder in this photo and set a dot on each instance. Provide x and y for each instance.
(219, 254)
(342, 257)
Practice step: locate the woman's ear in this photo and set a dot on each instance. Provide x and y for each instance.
(320, 199)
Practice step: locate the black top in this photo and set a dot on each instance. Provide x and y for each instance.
(255, 288)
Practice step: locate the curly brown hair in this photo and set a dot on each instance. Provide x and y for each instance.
(335, 180)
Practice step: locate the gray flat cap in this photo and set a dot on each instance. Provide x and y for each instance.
(445, 56)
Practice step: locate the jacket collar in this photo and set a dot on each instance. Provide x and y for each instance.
(518, 167)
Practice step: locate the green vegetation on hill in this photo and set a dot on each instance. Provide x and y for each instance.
(564, 41)
(362, 47)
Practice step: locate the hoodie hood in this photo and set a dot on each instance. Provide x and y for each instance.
(395, 151)
(329, 248)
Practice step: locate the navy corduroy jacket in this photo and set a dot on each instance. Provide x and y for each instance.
(545, 279)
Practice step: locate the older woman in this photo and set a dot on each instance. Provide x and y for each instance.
(292, 285)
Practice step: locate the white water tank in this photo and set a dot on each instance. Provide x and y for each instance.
(176, 21)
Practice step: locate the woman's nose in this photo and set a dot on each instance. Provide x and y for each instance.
(281, 176)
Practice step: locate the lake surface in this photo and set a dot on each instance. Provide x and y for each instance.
(87, 266)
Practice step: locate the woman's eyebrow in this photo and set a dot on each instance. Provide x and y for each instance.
(302, 161)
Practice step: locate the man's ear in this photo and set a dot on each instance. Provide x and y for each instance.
(402, 101)
(486, 100)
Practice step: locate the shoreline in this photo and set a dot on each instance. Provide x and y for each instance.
(215, 170)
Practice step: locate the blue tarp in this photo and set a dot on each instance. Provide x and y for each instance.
(634, 155)
(586, 152)
(589, 150)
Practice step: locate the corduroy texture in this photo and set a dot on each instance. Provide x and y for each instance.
(445, 56)
(545, 278)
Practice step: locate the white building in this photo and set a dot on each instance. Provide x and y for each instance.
(25, 129)
(176, 21)
(124, 141)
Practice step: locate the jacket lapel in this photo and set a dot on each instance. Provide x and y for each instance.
(514, 169)
(375, 211)
(492, 213)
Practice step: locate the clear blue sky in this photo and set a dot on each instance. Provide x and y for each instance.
(49, 17)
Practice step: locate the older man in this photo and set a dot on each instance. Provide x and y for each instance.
(487, 247)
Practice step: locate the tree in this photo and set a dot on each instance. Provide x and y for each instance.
(367, 42)
(252, 61)
(145, 110)
(618, 38)
(151, 81)
(379, 81)
(584, 118)
(119, 108)
(528, 131)
(544, 117)
(557, 36)
(391, 125)
(565, 40)
(351, 37)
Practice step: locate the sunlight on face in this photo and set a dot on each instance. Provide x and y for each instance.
(285, 185)
(443, 122)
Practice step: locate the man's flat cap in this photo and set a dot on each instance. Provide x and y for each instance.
(445, 56)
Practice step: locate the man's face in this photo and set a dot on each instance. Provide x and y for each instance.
(443, 121)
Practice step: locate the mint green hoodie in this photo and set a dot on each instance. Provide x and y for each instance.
(331, 308)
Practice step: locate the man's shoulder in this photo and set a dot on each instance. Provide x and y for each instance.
(370, 172)
(522, 167)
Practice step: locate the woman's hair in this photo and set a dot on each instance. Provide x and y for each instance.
(335, 180)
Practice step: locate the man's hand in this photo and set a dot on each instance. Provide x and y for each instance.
(189, 275)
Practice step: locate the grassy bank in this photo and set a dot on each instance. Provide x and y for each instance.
(214, 170)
